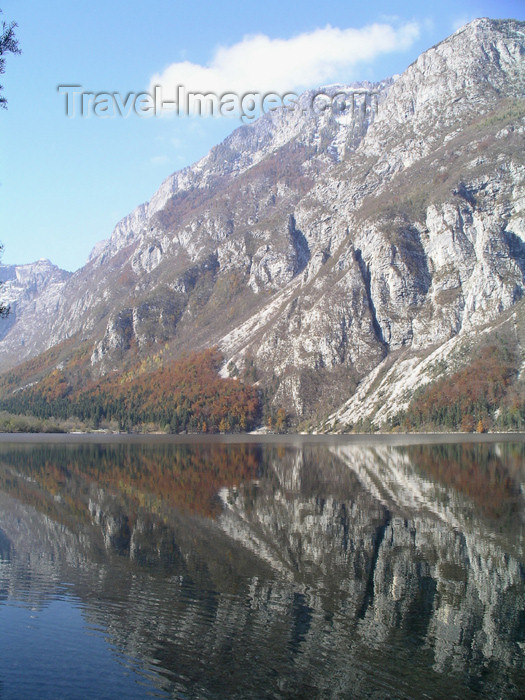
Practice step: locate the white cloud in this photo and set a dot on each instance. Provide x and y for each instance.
(159, 160)
(261, 64)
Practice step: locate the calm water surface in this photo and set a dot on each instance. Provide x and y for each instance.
(271, 570)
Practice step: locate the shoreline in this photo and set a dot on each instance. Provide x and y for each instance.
(291, 439)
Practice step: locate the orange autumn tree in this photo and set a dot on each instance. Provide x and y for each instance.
(184, 395)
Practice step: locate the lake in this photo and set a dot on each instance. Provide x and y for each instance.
(268, 567)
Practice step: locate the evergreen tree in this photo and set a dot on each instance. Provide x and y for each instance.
(8, 44)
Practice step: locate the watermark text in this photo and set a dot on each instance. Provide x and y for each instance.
(79, 102)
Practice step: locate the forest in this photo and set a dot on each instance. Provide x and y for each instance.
(485, 394)
(185, 395)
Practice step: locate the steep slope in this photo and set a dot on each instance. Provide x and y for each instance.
(33, 293)
(206, 222)
(423, 224)
(321, 250)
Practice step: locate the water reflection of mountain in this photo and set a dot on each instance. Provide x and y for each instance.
(349, 572)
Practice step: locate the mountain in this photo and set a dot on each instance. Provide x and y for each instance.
(340, 259)
(33, 292)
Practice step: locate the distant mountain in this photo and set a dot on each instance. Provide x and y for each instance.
(341, 260)
(33, 292)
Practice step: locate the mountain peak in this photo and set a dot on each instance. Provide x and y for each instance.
(489, 24)
(339, 259)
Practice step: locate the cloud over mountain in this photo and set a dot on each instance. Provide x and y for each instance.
(261, 64)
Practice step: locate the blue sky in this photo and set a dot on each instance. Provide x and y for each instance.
(65, 182)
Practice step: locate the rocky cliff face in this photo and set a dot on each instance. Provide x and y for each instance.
(33, 293)
(328, 247)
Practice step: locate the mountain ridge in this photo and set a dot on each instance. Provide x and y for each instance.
(319, 249)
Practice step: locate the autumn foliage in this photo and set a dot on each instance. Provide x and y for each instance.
(479, 472)
(467, 399)
(153, 478)
(184, 395)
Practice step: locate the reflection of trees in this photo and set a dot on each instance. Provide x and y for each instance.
(488, 475)
(317, 561)
(405, 561)
(179, 476)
